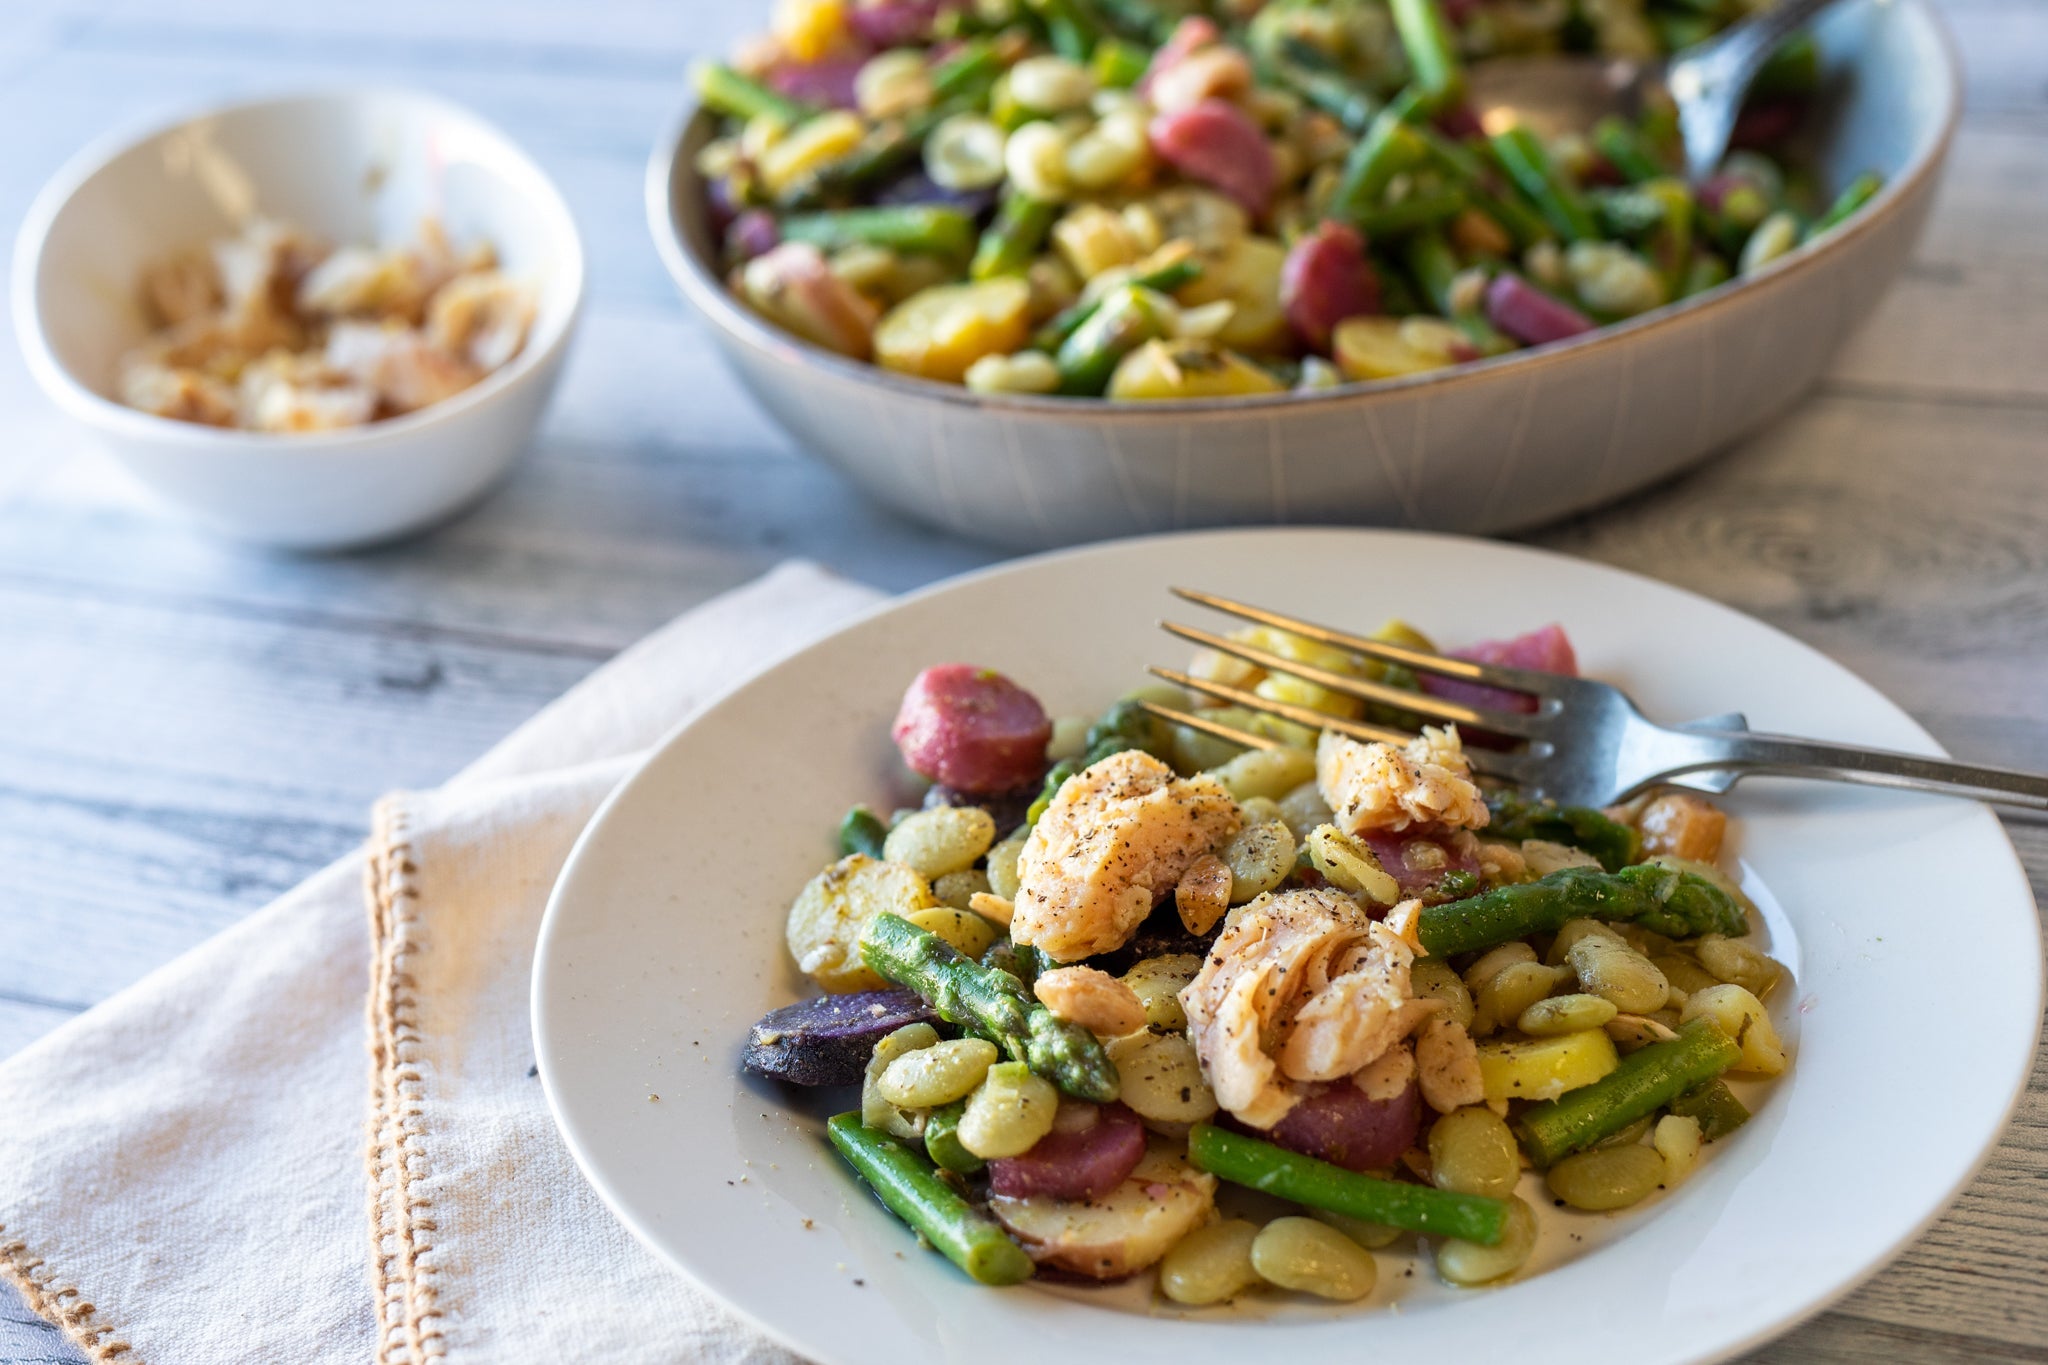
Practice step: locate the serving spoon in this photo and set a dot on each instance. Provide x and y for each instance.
(1553, 94)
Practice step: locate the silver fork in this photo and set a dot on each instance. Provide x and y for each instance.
(1585, 744)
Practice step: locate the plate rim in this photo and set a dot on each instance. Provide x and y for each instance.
(1758, 1334)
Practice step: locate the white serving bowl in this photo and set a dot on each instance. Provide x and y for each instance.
(356, 167)
(1488, 447)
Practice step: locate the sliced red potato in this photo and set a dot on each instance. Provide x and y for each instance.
(1161, 1201)
(1342, 1125)
(972, 729)
(1075, 1160)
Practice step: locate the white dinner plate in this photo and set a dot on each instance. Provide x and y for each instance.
(1907, 922)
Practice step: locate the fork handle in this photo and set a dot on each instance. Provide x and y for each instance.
(1746, 753)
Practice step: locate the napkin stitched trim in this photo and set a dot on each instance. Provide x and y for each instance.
(401, 1217)
(48, 1300)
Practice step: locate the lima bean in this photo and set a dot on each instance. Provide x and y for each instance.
(1161, 1077)
(1270, 773)
(1260, 857)
(1469, 1263)
(936, 1075)
(957, 889)
(1513, 989)
(1494, 961)
(1002, 865)
(1433, 979)
(1678, 1139)
(1210, 1264)
(941, 840)
(964, 929)
(1742, 1017)
(1618, 974)
(1158, 982)
(1739, 964)
(1303, 1254)
(1009, 1113)
(1473, 1151)
(876, 1112)
(1607, 1177)
(1562, 1014)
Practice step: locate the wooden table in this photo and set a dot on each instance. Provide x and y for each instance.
(191, 728)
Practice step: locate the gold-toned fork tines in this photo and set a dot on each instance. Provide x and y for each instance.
(1585, 743)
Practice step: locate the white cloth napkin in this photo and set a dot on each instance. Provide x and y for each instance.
(190, 1174)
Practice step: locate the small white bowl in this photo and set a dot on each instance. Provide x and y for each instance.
(354, 167)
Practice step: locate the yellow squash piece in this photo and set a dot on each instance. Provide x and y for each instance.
(1544, 1068)
(1245, 271)
(1387, 348)
(1187, 369)
(939, 333)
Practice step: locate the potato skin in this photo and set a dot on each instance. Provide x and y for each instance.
(1341, 1125)
(1083, 1165)
(828, 1040)
(1128, 1229)
(972, 729)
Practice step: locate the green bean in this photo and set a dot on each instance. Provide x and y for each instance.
(1164, 280)
(1336, 95)
(862, 831)
(1715, 1108)
(737, 96)
(1420, 210)
(1626, 150)
(1518, 817)
(1009, 243)
(1432, 53)
(967, 73)
(942, 1140)
(1521, 222)
(1661, 899)
(1854, 196)
(1260, 1165)
(913, 1191)
(1072, 25)
(1388, 148)
(1669, 241)
(1128, 318)
(1020, 960)
(926, 228)
(1676, 32)
(1522, 156)
(1645, 1082)
(1054, 780)
(1433, 265)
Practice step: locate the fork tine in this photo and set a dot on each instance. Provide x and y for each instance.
(1485, 761)
(1422, 661)
(1516, 723)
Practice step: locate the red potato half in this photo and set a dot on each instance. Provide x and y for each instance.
(1080, 1163)
(1340, 1125)
(972, 729)
(1123, 1232)
(1327, 279)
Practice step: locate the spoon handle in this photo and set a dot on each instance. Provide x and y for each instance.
(1709, 79)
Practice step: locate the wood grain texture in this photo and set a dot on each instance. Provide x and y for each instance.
(195, 727)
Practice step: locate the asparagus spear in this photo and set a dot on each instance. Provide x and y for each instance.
(1522, 156)
(1432, 55)
(1519, 817)
(913, 1191)
(1715, 1106)
(1388, 148)
(942, 1140)
(1014, 237)
(1127, 318)
(1462, 165)
(928, 228)
(1260, 1165)
(862, 831)
(1161, 280)
(991, 1004)
(1424, 209)
(737, 96)
(1020, 960)
(1661, 899)
(1645, 1082)
(1054, 780)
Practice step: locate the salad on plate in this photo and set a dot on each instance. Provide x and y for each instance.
(1123, 998)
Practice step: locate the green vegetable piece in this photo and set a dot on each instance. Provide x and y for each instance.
(1523, 157)
(942, 1140)
(914, 1192)
(1118, 65)
(1432, 52)
(1793, 68)
(1330, 91)
(1518, 817)
(1629, 152)
(1645, 1082)
(1707, 271)
(1072, 26)
(1417, 211)
(1388, 148)
(1128, 725)
(1163, 280)
(1260, 1165)
(1854, 196)
(737, 96)
(1054, 780)
(1661, 899)
(990, 1004)
(923, 228)
(1014, 237)
(967, 74)
(1128, 318)
(1714, 1107)
(862, 831)
(1020, 960)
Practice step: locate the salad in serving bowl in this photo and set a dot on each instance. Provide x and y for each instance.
(1122, 997)
(1154, 200)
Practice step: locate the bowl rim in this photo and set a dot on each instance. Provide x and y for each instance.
(86, 403)
(702, 285)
